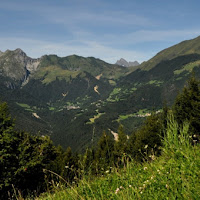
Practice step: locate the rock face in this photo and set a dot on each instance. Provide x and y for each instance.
(17, 67)
(124, 63)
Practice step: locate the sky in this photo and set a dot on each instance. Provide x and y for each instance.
(104, 29)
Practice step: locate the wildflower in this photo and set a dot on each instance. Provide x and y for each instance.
(66, 167)
(141, 192)
(194, 136)
(152, 178)
(146, 146)
(130, 186)
(145, 168)
(152, 157)
(140, 188)
(121, 187)
(107, 171)
(117, 190)
(167, 186)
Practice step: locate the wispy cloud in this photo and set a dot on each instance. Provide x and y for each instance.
(145, 36)
(37, 48)
(104, 29)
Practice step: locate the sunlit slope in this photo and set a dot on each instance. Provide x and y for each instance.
(184, 48)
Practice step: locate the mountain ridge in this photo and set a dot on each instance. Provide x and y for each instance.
(183, 48)
(76, 98)
(124, 63)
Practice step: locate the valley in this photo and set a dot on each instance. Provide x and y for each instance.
(73, 99)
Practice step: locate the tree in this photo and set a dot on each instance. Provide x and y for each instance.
(147, 138)
(104, 152)
(120, 145)
(22, 158)
(187, 105)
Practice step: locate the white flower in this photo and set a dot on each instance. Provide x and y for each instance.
(117, 190)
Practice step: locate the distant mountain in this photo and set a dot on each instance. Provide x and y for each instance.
(73, 99)
(41, 91)
(16, 66)
(124, 63)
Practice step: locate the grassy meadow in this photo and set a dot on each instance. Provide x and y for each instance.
(173, 175)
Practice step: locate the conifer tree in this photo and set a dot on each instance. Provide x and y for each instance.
(22, 157)
(120, 144)
(89, 161)
(147, 138)
(104, 152)
(187, 105)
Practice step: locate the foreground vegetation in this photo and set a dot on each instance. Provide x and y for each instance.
(174, 175)
(160, 160)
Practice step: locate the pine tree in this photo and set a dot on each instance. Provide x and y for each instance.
(104, 152)
(120, 145)
(22, 157)
(147, 139)
(187, 106)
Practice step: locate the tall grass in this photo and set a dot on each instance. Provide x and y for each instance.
(173, 175)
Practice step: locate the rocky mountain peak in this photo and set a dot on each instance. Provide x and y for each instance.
(124, 63)
(17, 66)
(19, 51)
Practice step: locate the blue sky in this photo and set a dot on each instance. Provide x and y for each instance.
(105, 29)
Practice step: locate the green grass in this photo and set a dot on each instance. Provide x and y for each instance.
(155, 82)
(140, 112)
(118, 94)
(50, 74)
(188, 67)
(25, 106)
(173, 175)
(112, 82)
(91, 120)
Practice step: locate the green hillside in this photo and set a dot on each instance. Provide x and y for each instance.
(158, 160)
(73, 99)
(184, 48)
(73, 65)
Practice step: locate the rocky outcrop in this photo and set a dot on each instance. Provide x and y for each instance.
(17, 66)
(124, 63)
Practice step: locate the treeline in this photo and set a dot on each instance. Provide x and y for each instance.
(31, 164)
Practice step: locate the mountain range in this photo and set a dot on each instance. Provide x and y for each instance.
(73, 99)
(124, 63)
